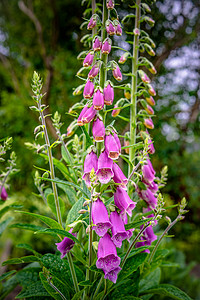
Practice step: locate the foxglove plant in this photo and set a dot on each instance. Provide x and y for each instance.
(105, 215)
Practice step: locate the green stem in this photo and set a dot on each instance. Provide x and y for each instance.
(133, 109)
(104, 57)
(98, 287)
(4, 181)
(73, 273)
(132, 244)
(162, 236)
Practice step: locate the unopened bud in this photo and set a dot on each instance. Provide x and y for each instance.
(149, 50)
(127, 92)
(110, 28)
(150, 100)
(149, 21)
(82, 211)
(136, 31)
(168, 219)
(126, 143)
(88, 229)
(149, 110)
(149, 123)
(78, 90)
(151, 90)
(144, 76)
(110, 4)
(86, 203)
(115, 111)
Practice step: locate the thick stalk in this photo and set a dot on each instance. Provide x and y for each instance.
(133, 108)
(132, 244)
(73, 273)
(104, 57)
(162, 236)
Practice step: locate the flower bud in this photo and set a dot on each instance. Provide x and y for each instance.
(82, 211)
(149, 50)
(152, 69)
(117, 73)
(149, 21)
(123, 58)
(97, 44)
(98, 130)
(88, 59)
(118, 28)
(149, 123)
(127, 93)
(151, 90)
(150, 100)
(94, 71)
(92, 23)
(115, 111)
(4, 194)
(149, 109)
(110, 4)
(112, 146)
(136, 31)
(108, 92)
(98, 100)
(144, 76)
(88, 90)
(89, 115)
(126, 143)
(79, 120)
(106, 47)
(78, 90)
(110, 28)
(86, 203)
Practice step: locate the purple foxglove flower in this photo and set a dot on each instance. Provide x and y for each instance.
(100, 218)
(66, 245)
(79, 120)
(152, 186)
(115, 111)
(97, 44)
(110, 4)
(112, 275)
(149, 123)
(117, 73)
(88, 89)
(108, 92)
(118, 230)
(149, 109)
(92, 23)
(149, 197)
(106, 47)
(91, 162)
(111, 146)
(94, 71)
(118, 30)
(110, 28)
(107, 258)
(129, 231)
(151, 167)
(123, 201)
(98, 100)
(119, 176)
(89, 115)
(147, 173)
(4, 194)
(105, 164)
(141, 243)
(117, 141)
(88, 59)
(151, 148)
(150, 100)
(98, 130)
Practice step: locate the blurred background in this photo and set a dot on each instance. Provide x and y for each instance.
(45, 36)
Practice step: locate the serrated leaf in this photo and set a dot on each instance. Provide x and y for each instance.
(4, 224)
(77, 296)
(73, 213)
(58, 284)
(89, 141)
(52, 205)
(24, 259)
(48, 221)
(26, 226)
(34, 290)
(69, 193)
(169, 291)
(150, 280)
(137, 224)
(7, 208)
(29, 248)
(7, 274)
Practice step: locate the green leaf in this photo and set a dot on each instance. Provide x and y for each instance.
(34, 290)
(58, 284)
(28, 248)
(25, 259)
(7, 208)
(137, 224)
(7, 287)
(85, 283)
(6, 275)
(65, 156)
(51, 204)
(48, 221)
(59, 232)
(169, 291)
(89, 141)
(77, 296)
(69, 193)
(26, 226)
(169, 264)
(28, 276)
(73, 213)
(4, 224)
(150, 280)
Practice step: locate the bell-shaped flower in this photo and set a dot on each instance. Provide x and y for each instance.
(141, 243)
(100, 218)
(4, 194)
(129, 231)
(79, 120)
(112, 275)
(112, 147)
(110, 28)
(110, 4)
(152, 186)
(88, 59)
(88, 89)
(108, 92)
(123, 201)
(118, 230)
(149, 197)
(149, 123)
(119, 176)
(92, 23)
(105, 164)
(91, 162)
(66, 244)
(117, 73)
(117, 141)
(89, 115)
(94, 71)
(98, 100)
(115, 111)
(149, 235)
(98, 130)
(148, 173)
(106, 47)
(97, 44)
(107, 258)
